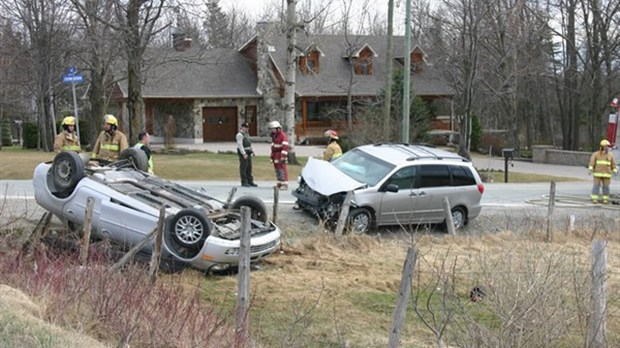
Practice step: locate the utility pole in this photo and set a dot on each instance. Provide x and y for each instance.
(407, 77)
(388, 75)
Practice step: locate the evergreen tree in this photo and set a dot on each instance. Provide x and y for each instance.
(217, 26)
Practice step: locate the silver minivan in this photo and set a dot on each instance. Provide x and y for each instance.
(392, 184)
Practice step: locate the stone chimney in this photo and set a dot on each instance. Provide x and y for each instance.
(180, 42)
(267, 81)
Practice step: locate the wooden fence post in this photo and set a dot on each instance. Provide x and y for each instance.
(597, 324)
(243, 281)
(448, 213)
(38, 232)
(276, 200)
(156, 254)
(406, 283)
(86, 230)
(133, 251)
(344, 214)
(550, 211)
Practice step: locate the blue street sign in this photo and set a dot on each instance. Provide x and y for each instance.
(72, 78)
(72, 71)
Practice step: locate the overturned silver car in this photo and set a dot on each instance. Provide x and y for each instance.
(200, 231)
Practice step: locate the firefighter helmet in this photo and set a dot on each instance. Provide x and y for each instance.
(332, 134)
(110, 119)
(274, 124)
(605, 142)
(68, 121)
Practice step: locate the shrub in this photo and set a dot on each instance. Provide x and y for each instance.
(476, 133)
(7, 140)
(495, 140)
(31, 135)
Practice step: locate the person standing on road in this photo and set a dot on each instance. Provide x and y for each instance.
(602, 165)
(144, 140)
(279, 154)
(245, 153)
(333, 150)
(111, 142)
(68, 139)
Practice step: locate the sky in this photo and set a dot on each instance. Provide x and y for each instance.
(257, 7)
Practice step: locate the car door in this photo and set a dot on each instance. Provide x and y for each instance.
(433, 186)
(397, 207)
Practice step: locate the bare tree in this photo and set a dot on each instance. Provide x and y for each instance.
(98, 55)
(45, 23)
(138, 24)
(291, 73)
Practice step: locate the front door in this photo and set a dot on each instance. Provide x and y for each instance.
(219, 124)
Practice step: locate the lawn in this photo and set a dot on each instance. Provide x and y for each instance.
(17, 163)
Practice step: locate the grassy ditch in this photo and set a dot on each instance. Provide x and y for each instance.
(323, 292)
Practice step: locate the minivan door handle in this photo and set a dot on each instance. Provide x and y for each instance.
(413, 194)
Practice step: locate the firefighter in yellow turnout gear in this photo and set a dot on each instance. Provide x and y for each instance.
(333, 150)
(602, 166)
(111, 142)
(68, 139)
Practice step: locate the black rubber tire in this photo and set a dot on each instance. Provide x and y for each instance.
(257, 207)
(459, 217)
(360, 221)
(134, 157)
(189, 228)
(67, 170)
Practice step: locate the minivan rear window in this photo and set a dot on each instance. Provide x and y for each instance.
(434, 175)
(462, 176)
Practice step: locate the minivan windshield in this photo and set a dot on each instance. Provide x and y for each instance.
(363, 167)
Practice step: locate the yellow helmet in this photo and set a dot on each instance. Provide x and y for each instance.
(68, 121)
(274, 124)
(110, 119)
(605, 142)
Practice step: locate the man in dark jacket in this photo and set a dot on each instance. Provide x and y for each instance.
(245, 153)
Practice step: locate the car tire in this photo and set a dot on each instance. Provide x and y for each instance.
(67, 170)
(189, 228)
(359, 221)
(459, 217)
(257, 207)
(134, 157)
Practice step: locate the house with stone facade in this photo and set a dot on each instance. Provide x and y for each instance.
(210, 92)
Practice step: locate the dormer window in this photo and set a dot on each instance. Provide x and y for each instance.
(362, 61)
(309, 63)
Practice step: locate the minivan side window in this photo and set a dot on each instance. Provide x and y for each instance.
(462, 176)
(404, 178)
(434, 175)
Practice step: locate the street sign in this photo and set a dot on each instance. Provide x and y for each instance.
(72, 78)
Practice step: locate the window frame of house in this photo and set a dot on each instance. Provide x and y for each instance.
(309, 63)
(363, 63)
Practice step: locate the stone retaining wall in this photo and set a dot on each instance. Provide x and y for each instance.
(550, 155)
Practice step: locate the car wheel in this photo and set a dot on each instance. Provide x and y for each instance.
(458, 217)
(360, 221)
(189, 228)
(67, 170)
(257, 207)
(134, 158)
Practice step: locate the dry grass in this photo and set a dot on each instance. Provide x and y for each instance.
(322, 292)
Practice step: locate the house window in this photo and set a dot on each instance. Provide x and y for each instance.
(363, 66)
(309, 63)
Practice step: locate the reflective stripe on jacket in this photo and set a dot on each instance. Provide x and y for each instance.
(109, 146)
(66, 141)
(602, 164)
(148, 155)
(279, 147)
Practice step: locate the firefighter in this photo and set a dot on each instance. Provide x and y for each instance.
(111, 142)
(602, 166)
(68, 140)
(333, 150)
(279, 154)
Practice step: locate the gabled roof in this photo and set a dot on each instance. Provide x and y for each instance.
(333, 77)
(194, 73)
